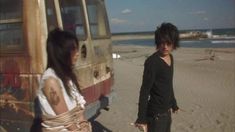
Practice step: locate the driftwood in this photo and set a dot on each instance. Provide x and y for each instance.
(209, 55)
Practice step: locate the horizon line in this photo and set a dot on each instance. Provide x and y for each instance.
(179, 30)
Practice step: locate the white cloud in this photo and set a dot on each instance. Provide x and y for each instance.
(126, 11)
(118, 21)
(205, 19)
(198, 12)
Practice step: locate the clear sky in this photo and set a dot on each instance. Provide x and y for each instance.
(145, 15)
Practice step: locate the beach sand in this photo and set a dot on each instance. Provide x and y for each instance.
(204, 85)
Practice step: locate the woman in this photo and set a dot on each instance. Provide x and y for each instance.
(60, 98)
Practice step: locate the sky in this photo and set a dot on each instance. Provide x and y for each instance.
(146, 15)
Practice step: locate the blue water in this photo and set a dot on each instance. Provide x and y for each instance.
(192, 43)
(222, 38)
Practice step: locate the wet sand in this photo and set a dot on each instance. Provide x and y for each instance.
(204, 85)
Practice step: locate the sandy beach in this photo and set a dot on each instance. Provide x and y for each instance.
(204, 85)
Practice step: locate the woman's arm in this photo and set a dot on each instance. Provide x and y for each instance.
(53, 92)
(54, 95)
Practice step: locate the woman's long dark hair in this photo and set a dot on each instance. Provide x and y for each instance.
(60, 44)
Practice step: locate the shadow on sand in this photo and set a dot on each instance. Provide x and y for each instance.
(98, 127)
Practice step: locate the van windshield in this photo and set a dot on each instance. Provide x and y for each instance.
(11, 25)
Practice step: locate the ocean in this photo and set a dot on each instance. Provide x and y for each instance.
(218, 38)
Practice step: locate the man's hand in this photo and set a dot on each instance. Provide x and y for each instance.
(177, 111)
(142, 127)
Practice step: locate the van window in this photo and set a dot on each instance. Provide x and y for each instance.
(51, 15)
(11, 26)
(97, 19)
(73, 17)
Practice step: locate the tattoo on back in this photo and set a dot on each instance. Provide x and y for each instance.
(53, 97)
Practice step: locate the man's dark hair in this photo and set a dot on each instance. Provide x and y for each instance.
(167, 33)
(60, 44)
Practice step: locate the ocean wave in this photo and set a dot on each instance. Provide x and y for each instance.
(222, 41)
(222, 37)
(190, 41)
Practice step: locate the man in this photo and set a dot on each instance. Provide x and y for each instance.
(157, 100)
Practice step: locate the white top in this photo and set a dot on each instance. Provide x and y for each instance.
(71, 102)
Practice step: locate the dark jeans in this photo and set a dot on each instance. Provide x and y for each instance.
(160, 123)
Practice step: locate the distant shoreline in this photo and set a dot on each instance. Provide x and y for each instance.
(227, 33)
(134, 36)
(183, 36)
